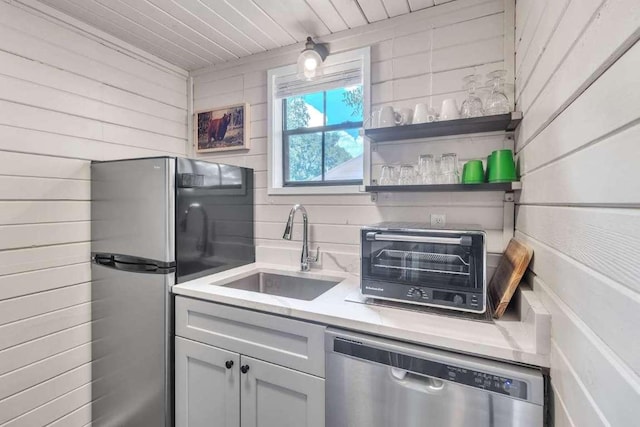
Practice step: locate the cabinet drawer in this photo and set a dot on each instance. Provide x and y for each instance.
(291, 343)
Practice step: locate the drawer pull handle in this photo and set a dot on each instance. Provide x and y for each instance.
(244, 369)
(228, 364)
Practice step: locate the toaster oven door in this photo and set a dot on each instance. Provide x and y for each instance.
(438, 266)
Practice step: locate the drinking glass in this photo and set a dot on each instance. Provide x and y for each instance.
(388, 175)
(407, 175)
(427, 170)
(497, 74)
(497, 102)
(449, 169)
(472, 106)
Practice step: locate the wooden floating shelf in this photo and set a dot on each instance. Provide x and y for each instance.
(502, 122)
(487, 186)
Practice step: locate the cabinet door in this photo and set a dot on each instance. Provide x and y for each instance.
(207, 392)
(273, 396)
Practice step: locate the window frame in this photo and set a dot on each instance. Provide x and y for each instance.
(276, 132)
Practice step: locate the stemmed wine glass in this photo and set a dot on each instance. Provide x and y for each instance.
(472, 106)
(497, 102)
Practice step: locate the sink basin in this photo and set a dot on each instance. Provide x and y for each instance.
(301, 288)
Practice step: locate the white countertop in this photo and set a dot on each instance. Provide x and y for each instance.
(520, 338)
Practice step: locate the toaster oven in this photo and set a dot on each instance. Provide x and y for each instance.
(417, 264)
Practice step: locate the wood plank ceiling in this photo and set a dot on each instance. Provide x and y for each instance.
(196, 33)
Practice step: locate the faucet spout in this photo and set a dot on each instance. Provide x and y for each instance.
(305, 259)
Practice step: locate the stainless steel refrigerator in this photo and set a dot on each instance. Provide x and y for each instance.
(155, 222)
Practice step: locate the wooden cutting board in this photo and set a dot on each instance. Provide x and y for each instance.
(505, 280)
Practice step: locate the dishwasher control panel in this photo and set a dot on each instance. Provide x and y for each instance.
(458, 374)
(486, 381)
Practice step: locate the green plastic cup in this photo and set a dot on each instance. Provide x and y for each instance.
(502, 167)
(473, 172)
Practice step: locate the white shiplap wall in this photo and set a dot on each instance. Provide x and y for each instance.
(68, 94)
(467, 36)
(577, 83)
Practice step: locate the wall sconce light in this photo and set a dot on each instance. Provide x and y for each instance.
(310, 60)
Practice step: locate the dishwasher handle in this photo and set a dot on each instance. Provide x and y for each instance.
(415, 381)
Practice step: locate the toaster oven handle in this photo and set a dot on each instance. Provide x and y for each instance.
(415, 239)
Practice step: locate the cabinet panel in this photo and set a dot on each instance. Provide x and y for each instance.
(287, 342)
(273, 396)
(207, 392)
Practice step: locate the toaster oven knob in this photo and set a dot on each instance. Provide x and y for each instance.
(457, 300)
(417, 293)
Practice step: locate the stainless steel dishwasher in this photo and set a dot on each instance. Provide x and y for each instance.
(374, 382)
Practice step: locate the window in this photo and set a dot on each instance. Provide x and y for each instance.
(315, 139)
(321, 138)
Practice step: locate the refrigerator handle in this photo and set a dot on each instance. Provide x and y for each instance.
(133, 264)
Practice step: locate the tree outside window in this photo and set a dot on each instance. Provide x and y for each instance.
(321, 137)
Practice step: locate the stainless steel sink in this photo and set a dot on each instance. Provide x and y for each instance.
(284, 286)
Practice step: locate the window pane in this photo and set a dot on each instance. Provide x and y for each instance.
(344, 105)
(305, 158)
(305, 111)
(343, 155)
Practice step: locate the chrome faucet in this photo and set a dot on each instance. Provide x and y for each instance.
(305, 259)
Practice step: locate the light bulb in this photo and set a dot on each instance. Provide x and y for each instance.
(310, 64)
(309, 74)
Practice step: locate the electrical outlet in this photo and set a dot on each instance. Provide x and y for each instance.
(438, 220)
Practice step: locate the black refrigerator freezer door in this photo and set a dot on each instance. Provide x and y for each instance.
(133, 208)
(214, 218)
(131, 347)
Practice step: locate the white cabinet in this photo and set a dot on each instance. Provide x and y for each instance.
(249, 382)
(207, 385)
(273, 396)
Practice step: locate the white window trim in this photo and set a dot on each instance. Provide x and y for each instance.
(274, 127)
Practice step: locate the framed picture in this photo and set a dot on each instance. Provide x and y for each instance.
(222, 129)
